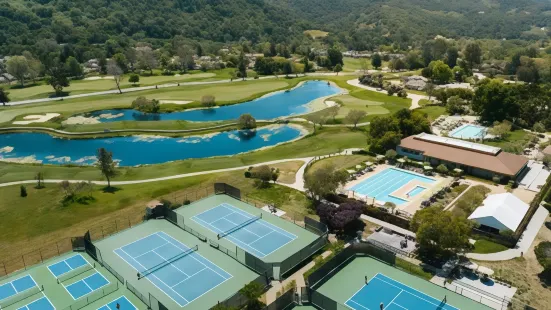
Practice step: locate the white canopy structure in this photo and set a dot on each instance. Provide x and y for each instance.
(501, 211)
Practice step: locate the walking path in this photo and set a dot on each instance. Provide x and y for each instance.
(524, 243)
(134, 89)
(414, 97)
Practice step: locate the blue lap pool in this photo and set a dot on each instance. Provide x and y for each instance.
(416, 191)
(381, 185)
(140, 150)
(278, 104)
(469, 131)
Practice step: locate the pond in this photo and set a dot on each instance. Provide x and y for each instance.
(271, 106)
(141, 149)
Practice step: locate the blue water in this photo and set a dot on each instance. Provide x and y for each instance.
(416, 191)
(469, 131)
(139, 150)
(386, 182)
(276, 105)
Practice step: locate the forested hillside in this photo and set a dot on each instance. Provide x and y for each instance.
(357, 24)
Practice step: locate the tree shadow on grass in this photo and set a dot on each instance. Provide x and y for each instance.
(548, 225)
(111, 189)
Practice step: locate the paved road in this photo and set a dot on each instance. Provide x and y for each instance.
(414, 97)
(134, 89)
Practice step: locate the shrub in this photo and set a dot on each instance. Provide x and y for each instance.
(538, 127)
(496, 179)
(442, 169)
(247, 174)
(543, 254)
(23, 191)
(246, 121)
(391, 154)
(134, 78)
(208, 101)
(187, 202)
(143, 104)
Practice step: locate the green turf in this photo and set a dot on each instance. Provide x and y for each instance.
(483, 246)
(351, 278)
(61, 299)
(304, 236)
(241, 275)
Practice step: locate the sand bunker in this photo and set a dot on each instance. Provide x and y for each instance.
(174, 101)
(81, 120)
(330, 103)
(95, 78)
(36, 118)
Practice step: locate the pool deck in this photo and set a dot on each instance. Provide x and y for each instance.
(412, 204)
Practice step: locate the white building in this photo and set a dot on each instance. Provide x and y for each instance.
(501, 212)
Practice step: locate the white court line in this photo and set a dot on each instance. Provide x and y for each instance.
(65, 261)
(202, 262)
(171, 264)
(419, 297)
(261, 222)
(156, 234)
(360, 305)
(156, 278)
(399, 306)
(189, 277)
(392, 301)
(82, 280)
(122, 297)
(152, 250)
(244, 227)
(361, 287)
(13, 286)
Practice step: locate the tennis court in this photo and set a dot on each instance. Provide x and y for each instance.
(245, 230)
(394, 295)
(123, 302)
(16, 286)
(174, 268)
(40, 304)
(87, 285)
(68, 266)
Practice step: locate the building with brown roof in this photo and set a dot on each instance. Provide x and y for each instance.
(473, 158)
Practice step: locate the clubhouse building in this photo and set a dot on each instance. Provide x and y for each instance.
(476, 159)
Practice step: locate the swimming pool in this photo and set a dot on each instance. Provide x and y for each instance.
(416, 191)
(383, 184)
(469, 131)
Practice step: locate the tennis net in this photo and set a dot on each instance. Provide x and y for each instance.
(247, 222)
(167, 262)
(20, 296)
(75, 272)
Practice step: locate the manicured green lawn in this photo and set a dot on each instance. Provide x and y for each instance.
(433, 111)
(483, 246)
(326, 141)
(339, 162)
(43, 90)
(413, 269)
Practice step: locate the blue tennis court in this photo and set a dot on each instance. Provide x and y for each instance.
(123, 302)
(40, 304)
(386, 182)
(87, 285)
(394, 295)
(247, 231)
(67, 265)
(16, 286)
(177, 270)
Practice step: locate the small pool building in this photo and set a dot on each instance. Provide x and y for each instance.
(473, 158)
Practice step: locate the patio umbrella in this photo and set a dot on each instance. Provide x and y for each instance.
(427, 167)
(351, 171)
(457, 170)
(380, 157)
(471, 266)
(368, 163)
(485, 270)
(359, 166)
(401, 160)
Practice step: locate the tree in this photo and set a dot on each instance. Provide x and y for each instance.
(538, 127)
(106, 165)
(335, 57)
(146, 59)
(501, 129)
(145, 105)
(333, 111)
(39, 177)
(472, 55)
(242, 65)
(391, 155)
(23, 191)
(134, 79)
(441, 73)
(57, 77)
(73, 68)
(35, 66)
(121, 61)
(346, 214)
(307, 65)
(547, 160)
(452, 54)
(262, 173)
(439, 232)
(287, 68)
(495, 101)
(429, 89)
(319, 118)
(324, 181)
(246, 121)
(208, 101)
(18, 66)
(364, 65)
(4, 96)
(252, 293)
(185, 57)
(337, 68)
(376, 61)
(442, 169)
(354, 116)
(116, 71)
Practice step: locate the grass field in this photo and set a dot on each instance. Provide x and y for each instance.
(41, 216)
(339, 162)
(326, 141)
(485, 246)
(316, 34)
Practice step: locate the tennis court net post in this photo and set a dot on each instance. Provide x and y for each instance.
(18, 297)
(167, 262)
(75, 272)
(247, 222)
